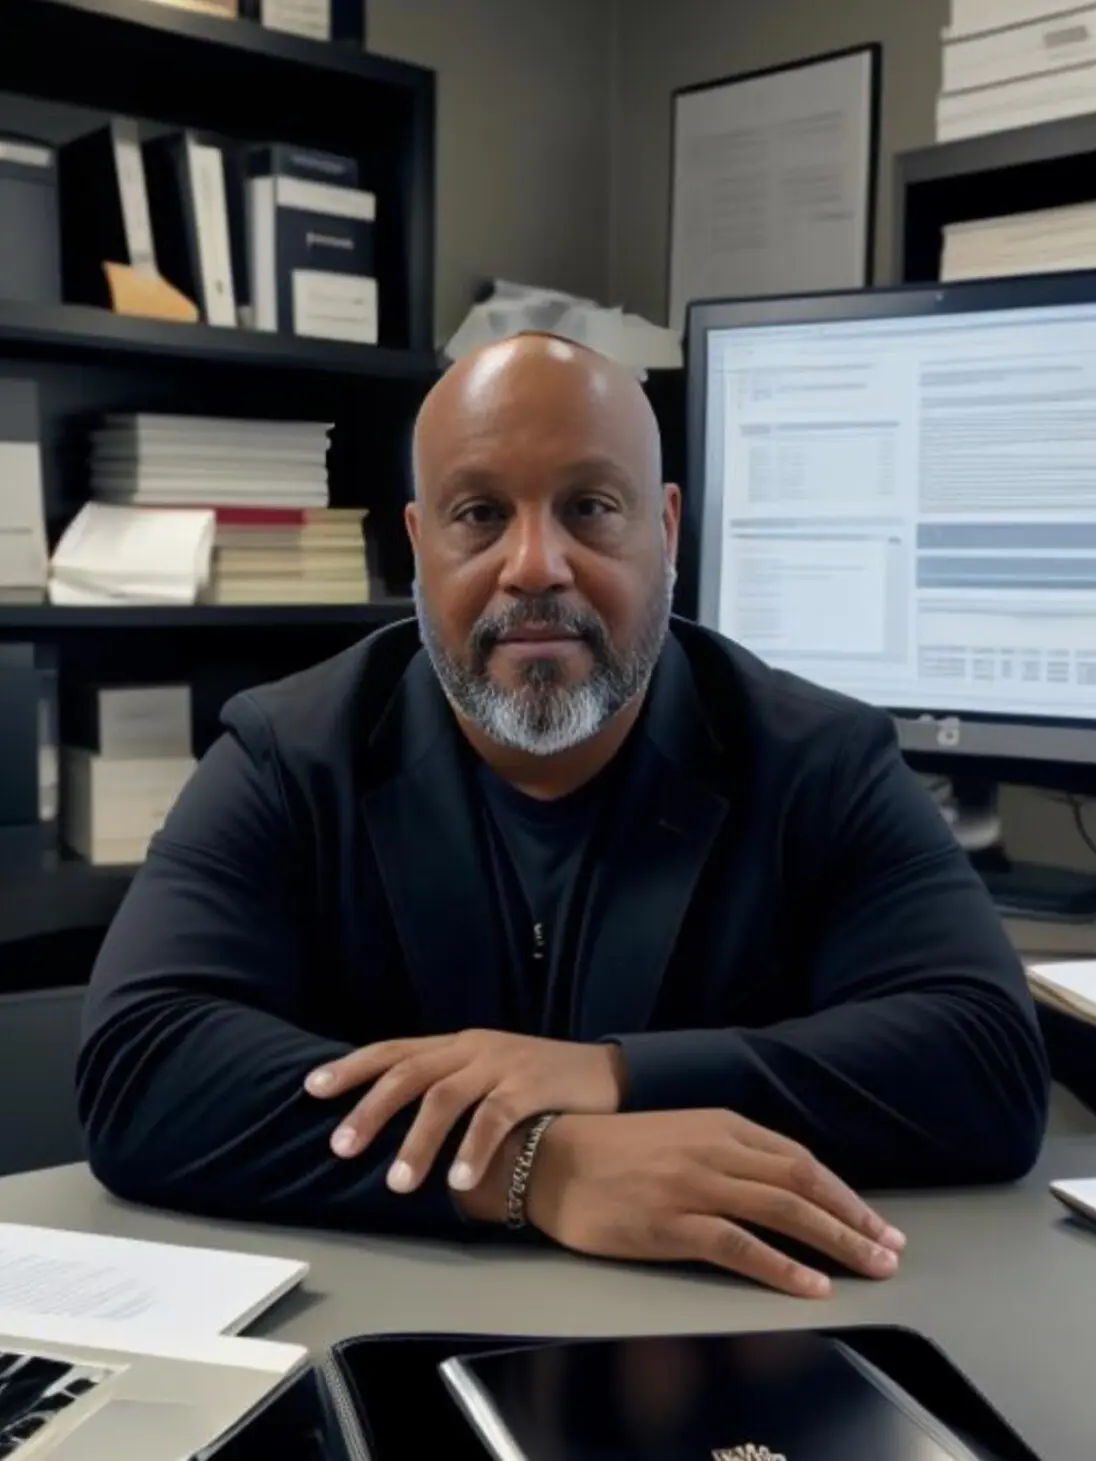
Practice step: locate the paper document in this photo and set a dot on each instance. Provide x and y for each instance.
(1070, 984)
(133, 1286)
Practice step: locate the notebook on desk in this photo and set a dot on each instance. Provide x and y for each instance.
(805, 1397)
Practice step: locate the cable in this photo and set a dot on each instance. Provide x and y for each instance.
(1078, 805)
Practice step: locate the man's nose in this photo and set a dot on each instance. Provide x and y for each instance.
(536, 555)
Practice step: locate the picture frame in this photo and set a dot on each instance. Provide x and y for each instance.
(774, 180)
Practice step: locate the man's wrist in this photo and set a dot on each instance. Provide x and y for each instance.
(486, 1203)
(619, 1068)
(549, 1173)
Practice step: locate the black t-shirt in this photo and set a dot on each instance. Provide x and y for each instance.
(539, 850)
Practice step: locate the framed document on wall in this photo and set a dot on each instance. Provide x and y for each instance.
(774, 181)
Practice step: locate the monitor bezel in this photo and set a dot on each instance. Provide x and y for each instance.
(979, 733)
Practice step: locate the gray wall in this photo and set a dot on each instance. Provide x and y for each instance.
(523, 137)
(661, 45)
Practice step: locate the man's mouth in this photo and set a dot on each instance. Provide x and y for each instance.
(538, 634)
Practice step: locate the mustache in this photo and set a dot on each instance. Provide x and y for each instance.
(546, 611)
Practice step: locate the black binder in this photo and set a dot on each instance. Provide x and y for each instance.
(302, 222)
(907, 1370)
(175, 220)
(96, 227)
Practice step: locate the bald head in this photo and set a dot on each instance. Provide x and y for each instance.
(544, 540)
(538, 383)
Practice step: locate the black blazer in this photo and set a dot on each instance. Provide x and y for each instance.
(780, 924)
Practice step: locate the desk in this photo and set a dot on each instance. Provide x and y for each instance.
(1002, 1280)
(1034, 940)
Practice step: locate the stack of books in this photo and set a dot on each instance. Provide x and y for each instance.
(202, 461)
(1015, 63)
(1040, 242)
(311, 555)
(126, 754)
(23, 552)
(276, 540)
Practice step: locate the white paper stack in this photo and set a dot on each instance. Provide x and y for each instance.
(274, 538)
(179, 461)
(1015, 63)
(1069, 985)
(1039, 242)
(123, 555)
(128, 753)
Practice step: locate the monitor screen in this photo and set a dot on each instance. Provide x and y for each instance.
(902, 506)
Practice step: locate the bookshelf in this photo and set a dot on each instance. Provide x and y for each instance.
(68, 66)
(27, 621)
(1047, 166)
(78, 333)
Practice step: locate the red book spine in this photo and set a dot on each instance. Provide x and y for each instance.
(261, 517)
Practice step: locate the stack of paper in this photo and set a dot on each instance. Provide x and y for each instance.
(311, 555)
(183, 461)
(1068, 986)
(264, 484)
(1039, 242)
(124, 555)
(1015, 63)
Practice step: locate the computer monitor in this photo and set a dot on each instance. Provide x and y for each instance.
(893, 493)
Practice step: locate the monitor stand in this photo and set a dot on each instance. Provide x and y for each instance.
(1019, 889)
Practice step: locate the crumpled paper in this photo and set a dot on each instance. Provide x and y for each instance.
(513, 308)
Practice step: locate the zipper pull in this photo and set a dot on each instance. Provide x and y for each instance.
(538, 942)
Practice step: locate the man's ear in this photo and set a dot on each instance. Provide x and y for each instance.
(411, 522)
(671, 519)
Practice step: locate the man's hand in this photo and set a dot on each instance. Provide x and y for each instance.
(678, 1186)
(507, 1078)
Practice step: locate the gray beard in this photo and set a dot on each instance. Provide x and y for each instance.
(544, 715)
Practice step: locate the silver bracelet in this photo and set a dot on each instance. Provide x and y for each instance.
(523, 1170)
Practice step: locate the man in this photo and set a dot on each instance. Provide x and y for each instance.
(568, 857)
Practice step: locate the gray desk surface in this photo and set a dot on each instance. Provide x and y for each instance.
(1005, 1281)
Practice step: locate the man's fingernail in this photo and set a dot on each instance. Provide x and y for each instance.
(817, 1284)
(885, 1261)
(320, 1081)
(460, 1176)
(400, 1177)
(344, 1141)
(893, 1239)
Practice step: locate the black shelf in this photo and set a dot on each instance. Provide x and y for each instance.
(171, 67)
(29, 621)
(150, 23)
(66, 68)
(65, 897)
(1047, 166)
(73, 331)
(998, 151)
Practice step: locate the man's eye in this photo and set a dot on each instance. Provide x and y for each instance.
(592, 507)
(479, 514)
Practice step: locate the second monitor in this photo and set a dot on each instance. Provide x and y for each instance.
(894, 494)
